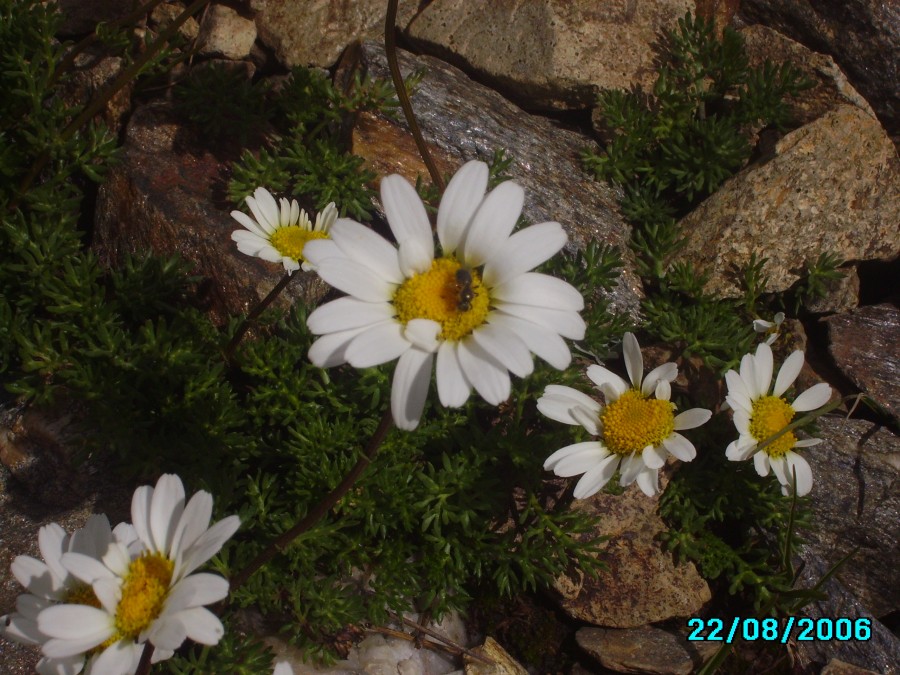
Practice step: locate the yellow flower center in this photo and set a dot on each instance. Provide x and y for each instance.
(447, 293)
(633, 421)
(144, 593)
(770, 415)
(82, 594)
(289, 241)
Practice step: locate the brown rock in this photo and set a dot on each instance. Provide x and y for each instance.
(164, 14)
(165, 197)
(865, 345)
(644, 650)
(834, 185)
(838, 667)
(856, 503)
(226, 33)
(315, 32)
(92, 71)
(504, 664)
(642, 584)
(553, 54)
(863, 36)
(463, 120)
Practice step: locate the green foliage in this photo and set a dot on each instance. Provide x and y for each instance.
(816, 281)
(306, 154)
(237, 653)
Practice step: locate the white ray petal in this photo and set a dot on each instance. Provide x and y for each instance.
(405, 212)
(409, 389)
(540, 290)
(347, 313)
(378, 344)
(488, 376)
(566, 323)
(492, 223)
(594, 480)
(506, 347)
(452, 385)
(788, 373)
(523, 251)
(462, 197)
(355, 279)
(693, 418)
(634, 362)
(680, 447)
(542, 341)
(361, 244)
(813, 398)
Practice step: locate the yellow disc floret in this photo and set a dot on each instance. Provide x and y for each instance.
(633, 421)
(770, 415)
(289, 241)
(144, 593)
(460, 303)
(82, 594)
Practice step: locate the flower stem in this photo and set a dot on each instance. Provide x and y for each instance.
(390, 49)
(321, 508)
(144, 664)
(253, 315)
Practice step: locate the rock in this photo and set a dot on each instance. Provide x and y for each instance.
(315, 32)
(863, 36)
(865, 345)
(855, 502)
(165, 196)
(504, 664)
(644, 650)
(841, 294)
(553, 54)
(831, 88)
(462, 120)
(92, 71)
(838, 667)
(642, 583)
(226, 33)
(82, 16)
(833, 185)
(880, 653)
(164, 14)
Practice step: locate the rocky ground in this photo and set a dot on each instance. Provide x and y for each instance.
(523, 75)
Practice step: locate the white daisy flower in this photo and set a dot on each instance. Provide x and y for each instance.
(769, 327)
(283, 668)
(146, 591)
(280, 234)
(635, 432)
(758, 415)
(475, 310)
(49, 584)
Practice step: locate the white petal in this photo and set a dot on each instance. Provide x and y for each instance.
(283, 668)
(52, 541)
(582, 458)
(505, 347)
(264, 208)
(165, 511)
(648, 481)
(575, 449)
(120, 658)
(762, 371)
(140, 513)
(492, 223)
(71, 665)
(488, 376)
(461, 198)
(587, 419)
(331, 349)
(540, 290)
(523, 251)
(422, 334)
(693, 418)
(567, 323)
(631, 467)
(203, 626)
(415, 256)
(738, 392)
(405, 212)
(761, 326)
(193, 522)
(680, 447)
(558, 401)
(79, 623)
(209, 543)
(108, 592)
(94, 538)
(779, 468)
(741, 449)
(653, 457)
(168, 631)
(196, 590)
(317, 250)
(364, 246)
(634, 362)
(664, 373)
(742, 422)
(348, 313)
(543, 342)
(602, 376)
(807, 442)
(798, 464)
(35, 576)
(452, 385)
(811, 399)
(378, 344)
(592, 481)
(788, 373)
(355, 279)
(85, 568)
(409, 389)
(761, 463)
(250, 224)
(663, 390)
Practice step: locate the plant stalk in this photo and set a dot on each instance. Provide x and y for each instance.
(254, 314)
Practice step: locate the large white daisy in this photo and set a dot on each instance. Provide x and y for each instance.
(49, 583)
(635, 432)
(474, 307)
(279, 233)
(759, 414)
(146, 591)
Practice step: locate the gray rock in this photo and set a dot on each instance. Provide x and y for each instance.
(838, 667)
(833, 185)
(463, 120)
(865, 345)
(315, 32)
(863, 36)
(642, 583)
(166, 13)
(226, 33)
(856, 503)
(646, 649)
(552, 54)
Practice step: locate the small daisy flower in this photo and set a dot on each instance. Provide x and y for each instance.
(49, 584)
(280, 234)
(759, 414)
(769, 327)
(635, 431)
(474, 309)
(146, 590)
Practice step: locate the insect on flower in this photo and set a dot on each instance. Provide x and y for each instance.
(465, 294)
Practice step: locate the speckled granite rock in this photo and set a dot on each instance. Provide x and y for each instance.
(833, 185)
(555, 53)
(225, 33)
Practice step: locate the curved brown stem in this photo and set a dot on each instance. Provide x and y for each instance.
(390, 49)
(144, 664)
(254, 314)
